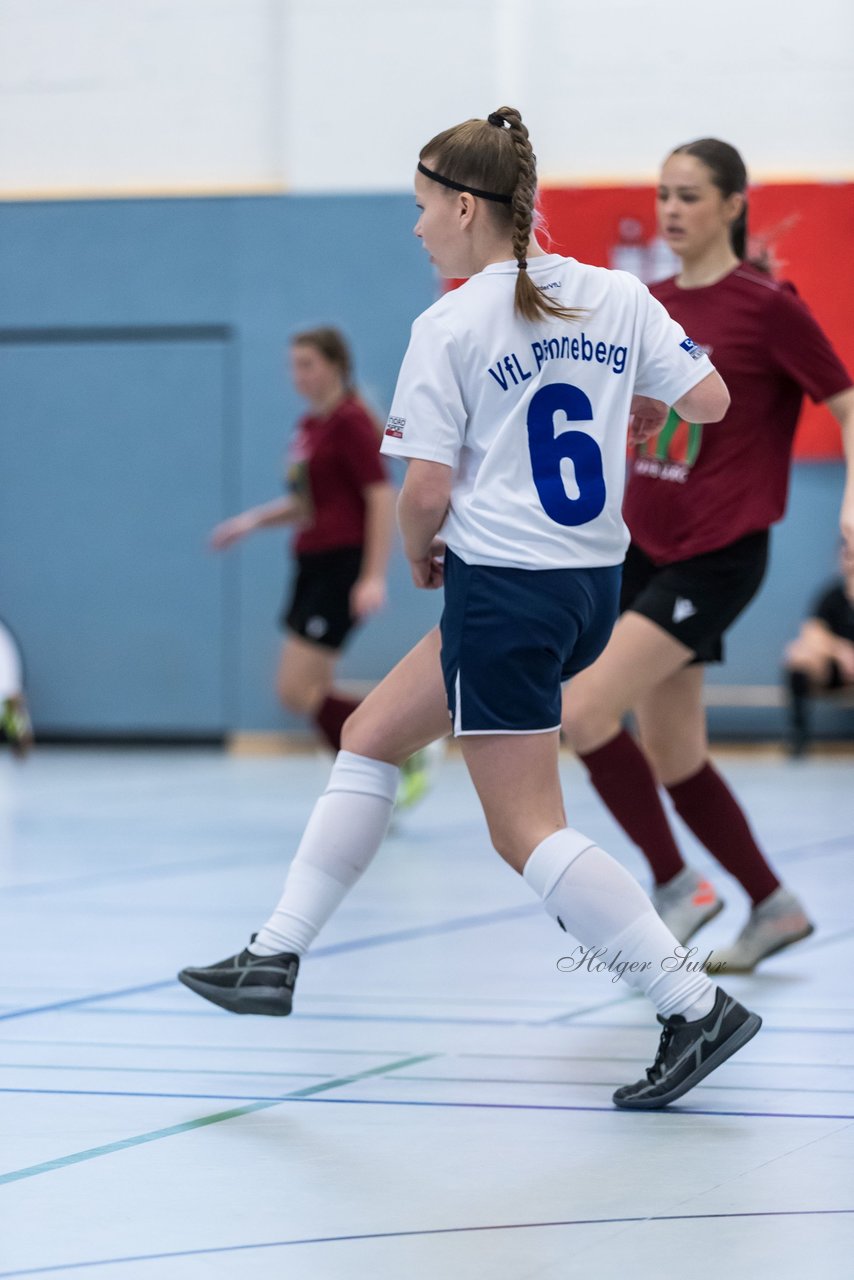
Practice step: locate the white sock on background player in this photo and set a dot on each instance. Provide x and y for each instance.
(11, 679)
(346, 827)
(600, 904)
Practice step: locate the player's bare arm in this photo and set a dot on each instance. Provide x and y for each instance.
(282, 511)
(421, 511)
(707, 402)
(842, 408)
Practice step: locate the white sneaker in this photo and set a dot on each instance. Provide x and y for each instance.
(686, 903)
(776, 923)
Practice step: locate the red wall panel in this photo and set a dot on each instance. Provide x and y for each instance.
(807, 227)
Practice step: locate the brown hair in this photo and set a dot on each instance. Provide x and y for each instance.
(496, 156)
(333, 346)
(729, 174)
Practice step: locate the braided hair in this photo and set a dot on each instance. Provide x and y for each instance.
(495, 155)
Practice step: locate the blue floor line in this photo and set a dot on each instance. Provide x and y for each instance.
(423, 1020)
(601, 1084)
(280, 1051)
(145, 871)
(428, 1231)
(188, 1126)
(263, 1102)
(156, 1047)
(269, 1097)
(430, 930)
(78, 1000)
(338, 948)
(158, 1071)
(242, 858)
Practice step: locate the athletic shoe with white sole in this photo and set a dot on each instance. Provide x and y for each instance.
(686, 903)
(247, 983)
(776, 923)
(688, 1052)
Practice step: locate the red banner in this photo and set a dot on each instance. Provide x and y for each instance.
(807, 229)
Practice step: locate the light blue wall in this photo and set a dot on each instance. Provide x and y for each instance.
(143, 397)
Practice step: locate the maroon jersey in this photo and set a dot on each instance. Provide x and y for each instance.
(331, 462)
(698, 488)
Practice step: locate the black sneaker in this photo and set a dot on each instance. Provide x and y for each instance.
(247, 983)
(689, 1051)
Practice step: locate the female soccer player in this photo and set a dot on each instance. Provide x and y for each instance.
(342, 503)
(511, 407)
(698, 506)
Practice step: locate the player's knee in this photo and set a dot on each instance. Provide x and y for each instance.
(299, 699)
(672, 757)
(507, 844)
(357, 735)
(586, 723)
(365, 734)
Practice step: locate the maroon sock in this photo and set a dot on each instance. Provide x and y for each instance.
(621, 774)
(705, 803)
(330, 716)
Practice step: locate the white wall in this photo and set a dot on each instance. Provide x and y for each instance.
(112, 96)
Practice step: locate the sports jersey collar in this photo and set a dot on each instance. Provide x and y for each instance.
(697, 288)
(547, 262)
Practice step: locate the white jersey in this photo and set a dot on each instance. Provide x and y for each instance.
(532, 415)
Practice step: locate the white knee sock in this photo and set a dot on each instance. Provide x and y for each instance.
(343, 833)
(10, 666)
(600, 904)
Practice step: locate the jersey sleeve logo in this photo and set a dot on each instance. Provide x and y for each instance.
(395, 428)
(694, 351)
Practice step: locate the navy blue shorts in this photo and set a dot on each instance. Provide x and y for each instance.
(511, 636)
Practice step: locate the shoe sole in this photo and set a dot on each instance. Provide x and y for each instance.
(781, 946)
(263, 1000)
(731, 1045)
(715, 911)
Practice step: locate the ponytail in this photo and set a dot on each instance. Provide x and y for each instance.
(333, 346)
(729, 174)
(493, 159)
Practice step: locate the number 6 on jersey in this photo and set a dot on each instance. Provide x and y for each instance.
(548, 451)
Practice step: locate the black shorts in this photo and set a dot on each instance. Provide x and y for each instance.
(319, 606)
(696, 600)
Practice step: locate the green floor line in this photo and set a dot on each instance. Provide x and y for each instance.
(77, 1157)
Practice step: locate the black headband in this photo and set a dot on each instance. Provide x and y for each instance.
(458, 186)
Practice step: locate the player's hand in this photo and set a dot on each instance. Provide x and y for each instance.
(428, 573)
(845, 660)
(646, 418)
(229, 532)
(367, 596)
